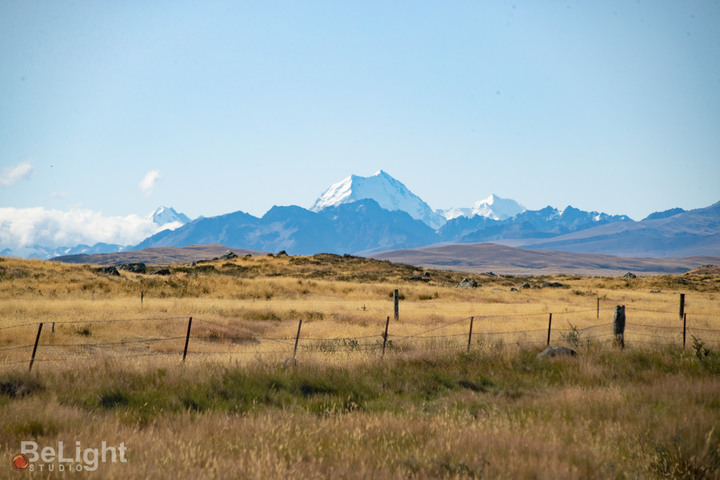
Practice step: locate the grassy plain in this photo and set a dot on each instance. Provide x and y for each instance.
(111, 372)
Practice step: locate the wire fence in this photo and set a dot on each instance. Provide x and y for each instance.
(204, 338)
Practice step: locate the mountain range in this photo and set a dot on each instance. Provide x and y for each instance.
(369, 215)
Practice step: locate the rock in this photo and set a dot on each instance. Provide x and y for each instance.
(229, 254)
(555, 351)
(513, 289)
(468, 283)
(426, 274)
(525, 285)
(111, 270)
(134, 267)
(161, 271)
(554, 285)
(282, 253)
(630, 275)
(418, 278)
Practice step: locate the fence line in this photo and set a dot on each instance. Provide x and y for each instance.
(660, 335)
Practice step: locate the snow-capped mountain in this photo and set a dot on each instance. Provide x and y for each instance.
(360, 215)
(167, 215)
(347, 228)
(493, 207)
(388, 192)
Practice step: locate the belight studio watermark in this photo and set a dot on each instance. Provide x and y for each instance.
(61, 458)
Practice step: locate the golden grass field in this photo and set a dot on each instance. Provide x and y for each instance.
(111, 371)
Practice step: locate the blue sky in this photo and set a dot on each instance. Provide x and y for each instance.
(213, 107)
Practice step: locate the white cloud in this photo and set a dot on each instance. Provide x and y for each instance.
(149, 181)
(22, 229)
(12, 175)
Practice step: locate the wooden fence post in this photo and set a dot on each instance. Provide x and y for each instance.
(385, 336)
(549, 329)
(684, 328)
(142, 297)
(682, 305)
(396, 303)
(619, 326)
(598, 307)
(187, 339)
(297, 338)
(37, 339)
(470, 334)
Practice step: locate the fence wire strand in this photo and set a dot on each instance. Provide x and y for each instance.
(400, 343)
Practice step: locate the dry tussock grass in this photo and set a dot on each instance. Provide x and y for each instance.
(233, 410)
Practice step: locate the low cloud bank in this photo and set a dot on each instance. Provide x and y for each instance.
(23, 231)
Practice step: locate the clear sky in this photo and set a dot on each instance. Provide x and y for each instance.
(212, 107)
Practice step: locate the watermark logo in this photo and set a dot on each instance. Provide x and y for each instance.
(20, 462)
(61, 459)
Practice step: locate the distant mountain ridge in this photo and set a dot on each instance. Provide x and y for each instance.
(545, 223)
(363, 227)
(367, 215)
(692, 232)
(345, 228)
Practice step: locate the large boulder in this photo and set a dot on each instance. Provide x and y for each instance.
(468, 283)
(110, 270)
(228, 255)
(134, 267)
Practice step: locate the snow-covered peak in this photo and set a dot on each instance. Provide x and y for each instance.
(167, 215)
(497, 208)
(388, 192)
(493, 207)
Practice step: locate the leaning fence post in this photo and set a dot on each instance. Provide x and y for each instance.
(549, 328)
(37, 339)
(470, 333)
(385, 336)
(187, 339)
(297, 338)
(619, 325)
(396, 303)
